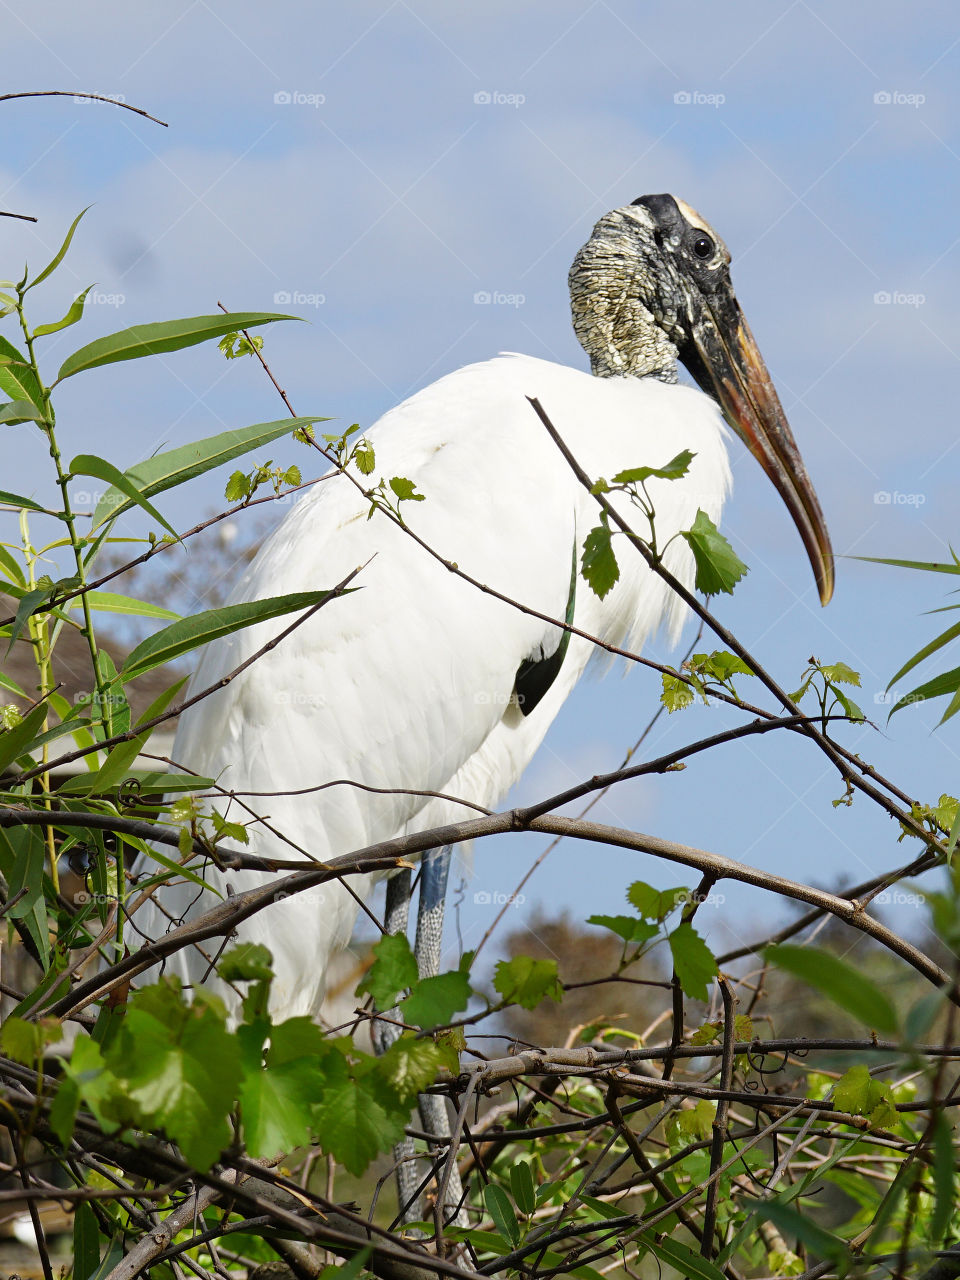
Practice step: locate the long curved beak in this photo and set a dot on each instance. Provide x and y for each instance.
(723, 357)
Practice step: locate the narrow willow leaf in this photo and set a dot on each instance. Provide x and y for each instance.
(18, 500)
(108, 602)
(943, 1178)
(15, 742)
(945, 637)
(938, 687)
(73, 315)
(176, 466)
(52, 265)
(839, 982)
(156, 339)
(17, 379)
(20, 411)
(521, 1184)
(501, 1211)
(11, 568)
(680, 1257)
(88, 464)
(86, 1242)
(200, 628)
(931, 566)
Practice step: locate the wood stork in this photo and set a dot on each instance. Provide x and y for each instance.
(412, 682)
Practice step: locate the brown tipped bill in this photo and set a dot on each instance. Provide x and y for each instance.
(723, 357)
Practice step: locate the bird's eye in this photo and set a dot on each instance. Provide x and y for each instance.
(703, 247)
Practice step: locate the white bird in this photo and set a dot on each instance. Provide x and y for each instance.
(412, 681)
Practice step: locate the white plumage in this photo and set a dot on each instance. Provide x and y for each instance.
(407, 682)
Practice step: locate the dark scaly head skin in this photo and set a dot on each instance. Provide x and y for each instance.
(652, 287)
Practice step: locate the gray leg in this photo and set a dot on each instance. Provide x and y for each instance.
(433, 893)
(396, 915)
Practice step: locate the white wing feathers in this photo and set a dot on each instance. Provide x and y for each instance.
(407, 681)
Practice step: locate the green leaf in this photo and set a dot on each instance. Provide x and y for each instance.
(692, 960)
(522, 1186)
(718, 566)
(840, 673)
(246, 962)
(629, 928)
(656, 904)
(677, 694)
(109, 602)
(364, 457)
(354, 1124)
(501, 1211)
(86, 1242)
(944, 638)
(675, 469)
(434, 1001)
(406, 490)
(938, 687)
(17, 379)
(680, 1257)
(789, 1220)
(526, 981)
(722, 665)
(931, 566)
(22, 1041)
(180, 1066)
(176, 466)
(117, 765)
(410, 1065)
(18, 500)
(74, 314)
(88, 464)
(857, 1092)
(200, 628)
(598, 564)
(237, 487)
(20, 411)
(28, 603)
(697, 1121)
(394, 970)
(276, 1099)
(844, 985)
(51, 266)
(16, 742)
(943, 1178)
(156, 339)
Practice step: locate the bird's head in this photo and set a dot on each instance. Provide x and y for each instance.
(652, 287)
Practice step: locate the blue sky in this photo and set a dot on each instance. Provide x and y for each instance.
(386, 162)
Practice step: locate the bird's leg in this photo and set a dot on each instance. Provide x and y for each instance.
(383, 1034)
(434, 872)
